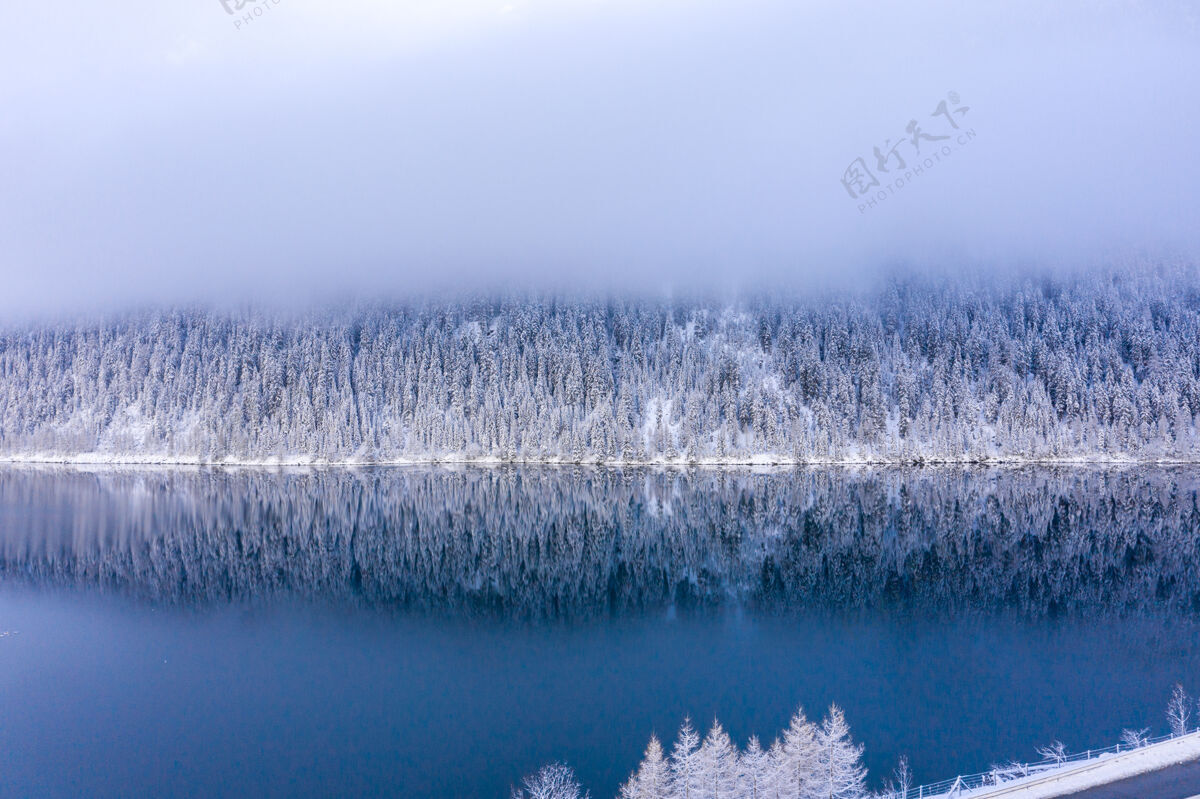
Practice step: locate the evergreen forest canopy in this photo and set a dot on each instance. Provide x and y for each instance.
(1101, 365)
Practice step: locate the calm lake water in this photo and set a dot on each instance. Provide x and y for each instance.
(439, 632)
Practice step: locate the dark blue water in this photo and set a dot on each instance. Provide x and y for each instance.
(420, 632)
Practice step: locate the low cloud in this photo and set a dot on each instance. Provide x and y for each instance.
(161, 154)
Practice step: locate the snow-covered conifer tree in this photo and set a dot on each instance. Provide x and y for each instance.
(685, 763)
(754, 768)
(840, 774)
(798, 758)
(718, 765)
(652, 780)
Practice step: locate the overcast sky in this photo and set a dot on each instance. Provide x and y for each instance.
(155, 151)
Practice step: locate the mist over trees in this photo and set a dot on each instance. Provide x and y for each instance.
(1100, 365)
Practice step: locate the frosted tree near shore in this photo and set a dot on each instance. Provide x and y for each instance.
(840, 774)
(718, 766)
(1179, 711)
(652, 780)
(901, 780)
(754, 771)
(686, 768)
(555, 781)
(1055, 751)
(1135, 739)
(798, 759)
(807, 762)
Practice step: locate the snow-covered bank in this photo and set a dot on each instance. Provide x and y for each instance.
(761, 461)
(1104, 770)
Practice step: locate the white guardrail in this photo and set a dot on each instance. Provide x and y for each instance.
(1013, 777)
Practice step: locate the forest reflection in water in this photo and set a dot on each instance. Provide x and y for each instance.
(567, 542)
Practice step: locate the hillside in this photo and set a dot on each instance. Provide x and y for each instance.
(1101, 367)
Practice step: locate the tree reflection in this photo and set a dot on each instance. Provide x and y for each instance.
(547, 542)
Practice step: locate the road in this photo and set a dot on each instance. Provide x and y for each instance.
(1176, 782)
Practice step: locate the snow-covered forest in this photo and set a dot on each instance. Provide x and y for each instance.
(808, 761)
(1098, 366)
(553, 542)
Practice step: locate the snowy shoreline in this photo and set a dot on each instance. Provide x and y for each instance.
(1105, 770)
(101, 459)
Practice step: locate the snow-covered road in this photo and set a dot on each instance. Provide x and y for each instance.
(1174, 782)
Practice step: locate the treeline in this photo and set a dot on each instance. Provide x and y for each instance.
(554, 542)
(1100, 365)
(812, 761)
(808, 761)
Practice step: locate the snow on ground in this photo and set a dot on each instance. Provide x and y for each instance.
(1077, 777)
(95, 458)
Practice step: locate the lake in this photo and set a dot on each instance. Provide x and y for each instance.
(425, 631)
